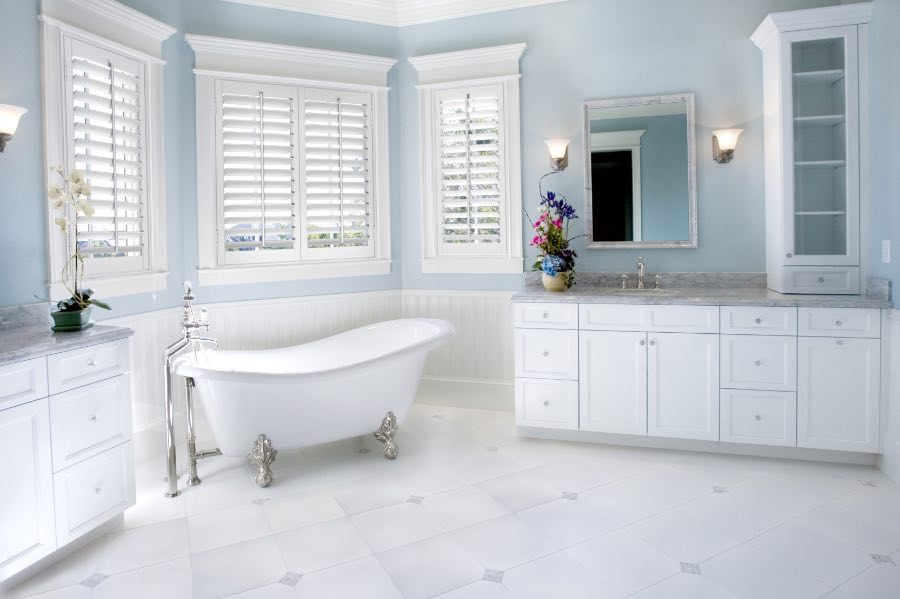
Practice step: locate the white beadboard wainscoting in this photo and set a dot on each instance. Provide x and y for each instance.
(889, 460)
(479, 359)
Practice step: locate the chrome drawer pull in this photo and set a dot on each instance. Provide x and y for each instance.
(546, 402)
(840, 342)
(643, 342)
(91, 363)
(821, 279)
(757, 417)
(759, 321)
(546, 315)
(98, 488)
(653, 342)
(93, 418)
(546, 352)
(758, 362)
(839, 323)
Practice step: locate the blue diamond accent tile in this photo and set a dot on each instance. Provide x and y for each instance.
(291, 579)
(720, 489)
(569, 495)
(689, 568)
(414, 499)
(94, 580)
(884, 560)
(493, 575)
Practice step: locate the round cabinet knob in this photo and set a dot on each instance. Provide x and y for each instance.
(93, 418)
(653, 342)
(545, 315)
(759, 321)
(758, 362)
(643, 342)
(840, 342)
(98, 488)
(757, 417)
(839, 322)
(790, 255)
(546, 402)
(546, 352)
(821, 279)
(91, 363)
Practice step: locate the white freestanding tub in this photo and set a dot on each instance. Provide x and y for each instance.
(335, 388)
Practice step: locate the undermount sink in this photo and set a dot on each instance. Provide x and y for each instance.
(645, 291)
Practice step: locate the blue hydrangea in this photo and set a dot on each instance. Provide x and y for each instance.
(552, 265)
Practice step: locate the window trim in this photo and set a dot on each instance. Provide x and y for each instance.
(118, 29)
(220, 59)
(498, 65)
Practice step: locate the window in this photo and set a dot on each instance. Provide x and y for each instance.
(292, 173)
(471, 173)
(103, 113)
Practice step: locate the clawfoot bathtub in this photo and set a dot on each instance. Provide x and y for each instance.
(348, 385)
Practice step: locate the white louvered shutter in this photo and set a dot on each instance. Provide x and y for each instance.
(257, 189)
(337, 186)
(107, 117)
(471, 194)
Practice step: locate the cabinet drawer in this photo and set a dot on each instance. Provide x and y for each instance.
(93, 491)
(840, 322)
(653, 318)
(822, 279)
(759, 417)
(546, 315)
(22, 382)
(748, 320)
(79, 367)
(759, 362)
(547, 404)
(545, 353)
(88, 420)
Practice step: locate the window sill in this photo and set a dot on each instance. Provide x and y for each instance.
(473, 265)
(117, 285)
(270, 273)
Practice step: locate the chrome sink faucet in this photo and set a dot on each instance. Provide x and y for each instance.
(640, 272)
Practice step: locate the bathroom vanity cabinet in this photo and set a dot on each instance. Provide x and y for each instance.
(815, 83)
(787, 376)
(65, 438)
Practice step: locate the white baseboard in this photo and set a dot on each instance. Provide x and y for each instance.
(462, 393)
(791, 453)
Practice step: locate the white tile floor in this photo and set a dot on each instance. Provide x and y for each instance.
(470, 511)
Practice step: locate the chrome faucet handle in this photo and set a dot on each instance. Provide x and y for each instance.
(656, 282)
(204, 318)
(624, 281)
(188, 295)
(640, 272)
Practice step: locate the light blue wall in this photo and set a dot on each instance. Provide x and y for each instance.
(885, 142)
(22, 229)
(592, 49)
(665, 203)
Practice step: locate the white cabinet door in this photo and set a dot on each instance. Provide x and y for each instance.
(837, 393)
(683, 385)
(613, 382)
(26, 499)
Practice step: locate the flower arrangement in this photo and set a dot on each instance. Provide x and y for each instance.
(551, 237)
(73, 199)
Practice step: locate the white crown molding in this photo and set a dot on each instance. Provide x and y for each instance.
(395, 13)
(811, 18)
(478, 63)
(216, 53)
(128, 17)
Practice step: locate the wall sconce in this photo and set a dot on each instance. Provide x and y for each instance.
(559, 153)
(724, 141)
(9, 122)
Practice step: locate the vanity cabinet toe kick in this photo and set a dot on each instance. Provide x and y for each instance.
(806, 377)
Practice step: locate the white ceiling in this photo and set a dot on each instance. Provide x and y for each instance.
(395, 13)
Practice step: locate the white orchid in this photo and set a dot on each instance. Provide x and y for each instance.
(83, 189)
(86, 207)
(55, 192)
(63, 223)
(76, 177)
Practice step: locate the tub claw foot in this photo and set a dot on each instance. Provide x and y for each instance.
(385, 434)
(263, 454)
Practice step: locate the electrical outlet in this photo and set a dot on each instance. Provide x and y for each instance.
(886, 251)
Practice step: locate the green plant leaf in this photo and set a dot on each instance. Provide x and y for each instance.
(99, 304)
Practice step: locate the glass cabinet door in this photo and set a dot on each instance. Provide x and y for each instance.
(824, 110)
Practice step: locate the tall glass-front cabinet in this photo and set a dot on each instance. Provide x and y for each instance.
(815, 117)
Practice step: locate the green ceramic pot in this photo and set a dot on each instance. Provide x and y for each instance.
(64, 322)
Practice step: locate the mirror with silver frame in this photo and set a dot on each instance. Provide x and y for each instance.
(640, 172)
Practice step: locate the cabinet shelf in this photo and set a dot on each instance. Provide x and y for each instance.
(820, 163)
(825, 119)
(821, 213)
(828, 76)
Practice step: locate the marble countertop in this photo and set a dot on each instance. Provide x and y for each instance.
(702, 296)
(31, 341)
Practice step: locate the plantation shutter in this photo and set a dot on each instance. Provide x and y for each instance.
(107, 104)
(338, 215)
(471, 191)
(257, 187)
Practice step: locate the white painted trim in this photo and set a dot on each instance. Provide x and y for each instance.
(630, 141)
(115, 286)
(407, 292)
(128, 18)
(396, 13)
(811, 18)
(468, 65)
(473, 265)
(292, 62)
(277, 80)
(270, 273)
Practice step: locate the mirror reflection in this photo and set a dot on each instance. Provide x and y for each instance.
(640, 179)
